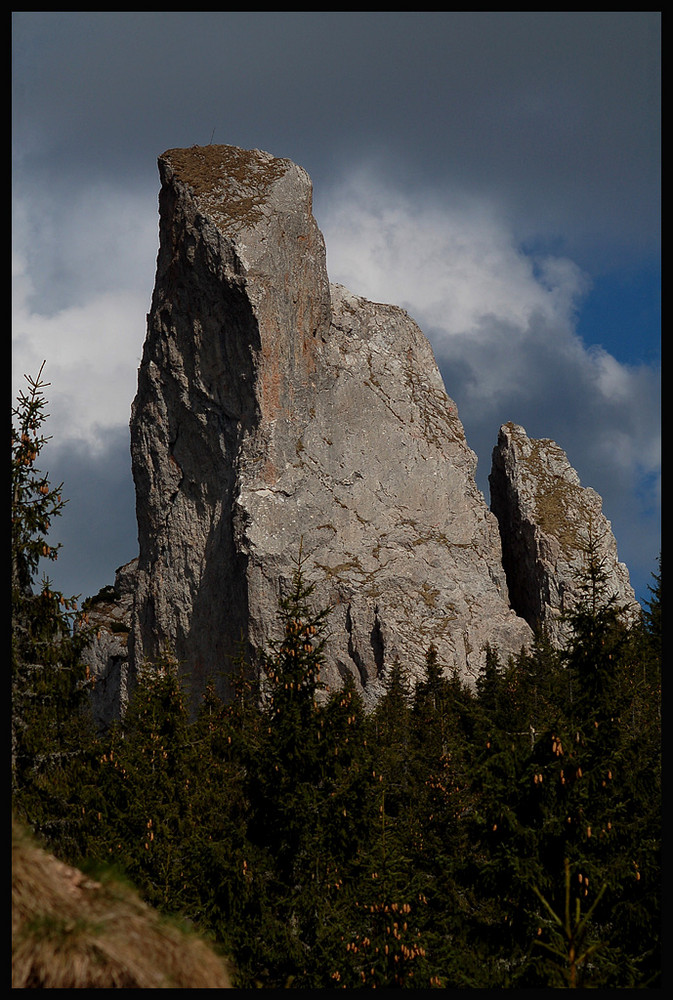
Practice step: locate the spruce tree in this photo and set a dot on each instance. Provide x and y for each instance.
(289, 765)
(221, 865)
(51, 733)
(598, 634)
(591, 794)
(346, 772)
(285, 787)
(144, 781)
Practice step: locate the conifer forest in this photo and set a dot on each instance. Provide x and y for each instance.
(506, 836)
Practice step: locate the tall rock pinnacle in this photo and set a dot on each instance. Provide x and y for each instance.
(548, 522)
(277, 413)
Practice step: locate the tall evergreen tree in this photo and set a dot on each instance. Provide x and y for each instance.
(288, 772)
(652, 615)
(285, 785)
(152, 818)
(598, 636)
(51, 734)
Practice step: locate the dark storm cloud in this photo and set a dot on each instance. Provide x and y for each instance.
(555, 114)
(93, 546)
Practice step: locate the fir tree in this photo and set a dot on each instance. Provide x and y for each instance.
(286, 787)
(289, 765)
(652, 615)
(489, 683)
(146, 778)
(346, 770)
(598, 635)
(51, 730)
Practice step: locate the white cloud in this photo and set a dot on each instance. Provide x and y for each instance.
(503, 327)
(613, 381)
(83, 239)
(457, 262)
(82, 277)
(503, 320)
(92, 354)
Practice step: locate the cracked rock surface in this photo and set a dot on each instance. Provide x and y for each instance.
(276, 412)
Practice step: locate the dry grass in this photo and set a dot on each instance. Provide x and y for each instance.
(230, 184)
(70, 932)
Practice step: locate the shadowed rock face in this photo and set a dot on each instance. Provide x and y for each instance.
(547, 523)
(276, 412)
(110, 617)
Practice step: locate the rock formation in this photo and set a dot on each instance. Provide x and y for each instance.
(548, 522)
(275, 413)
(109, 614)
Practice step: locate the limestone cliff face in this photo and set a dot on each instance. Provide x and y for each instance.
(547, 520)
(231, 339)
(276, 412)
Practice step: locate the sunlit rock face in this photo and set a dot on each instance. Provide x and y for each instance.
(279, 414)
(550, 526)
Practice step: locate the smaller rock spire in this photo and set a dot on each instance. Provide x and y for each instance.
(548, 522)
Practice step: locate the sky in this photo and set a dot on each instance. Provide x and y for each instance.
(496, 174)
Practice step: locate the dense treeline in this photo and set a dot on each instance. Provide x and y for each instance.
(503, 837)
